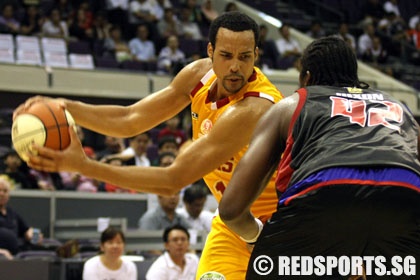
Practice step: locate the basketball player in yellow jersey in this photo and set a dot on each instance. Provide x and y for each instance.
(228, 96)
(224, 251)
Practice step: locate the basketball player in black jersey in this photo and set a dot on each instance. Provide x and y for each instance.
(348, 171)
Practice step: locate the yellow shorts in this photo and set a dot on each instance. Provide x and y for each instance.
(224, 254)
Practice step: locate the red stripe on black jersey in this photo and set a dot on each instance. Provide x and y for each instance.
(285, 171)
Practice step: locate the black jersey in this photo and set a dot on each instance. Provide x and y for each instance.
(347, 127)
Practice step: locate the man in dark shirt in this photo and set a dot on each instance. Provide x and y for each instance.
(15, 234)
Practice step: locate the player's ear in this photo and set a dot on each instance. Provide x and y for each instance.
(210, 50)
(256, 53)
(306, 78)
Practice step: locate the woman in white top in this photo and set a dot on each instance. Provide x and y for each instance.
(109, 264)
(175, 263)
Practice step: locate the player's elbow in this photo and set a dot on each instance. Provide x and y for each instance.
(228, 212)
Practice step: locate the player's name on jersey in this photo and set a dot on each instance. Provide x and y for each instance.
(363, 96)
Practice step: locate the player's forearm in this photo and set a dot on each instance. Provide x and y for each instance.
(155, 180)
(244, 225)
(104, 119)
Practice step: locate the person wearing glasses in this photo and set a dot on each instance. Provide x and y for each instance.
(175, 263)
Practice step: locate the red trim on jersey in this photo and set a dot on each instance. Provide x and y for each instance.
(259, 94)
(352, 182)
(285, 171)
(196, 89)
(222, 102)
(252, 93)
(253, 76)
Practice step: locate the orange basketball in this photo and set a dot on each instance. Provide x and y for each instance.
(44, 123)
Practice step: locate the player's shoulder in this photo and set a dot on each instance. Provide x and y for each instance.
(199, 67)
(191, 75)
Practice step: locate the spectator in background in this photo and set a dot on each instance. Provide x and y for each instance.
(47, 181)
(343, 33)
(113, 145)
(15, 234)
(100, 26)
(393, 27)
(65, 9)
(6, 254)
(18, 172)
(116, 46)
(267, 50)
(109, 264)
(136, 152)
(172, 127)
(54, 26)
(288, 48)
(160, 6)
(414, 35)
(79, 182)
(141, 47)
(375, 54)
(373, 11)
(189, 29)
(142, 12)
(391, 6)
(196, 14)
(414, 39)
(80, 26)
(175, 263)
(231, 6)
(316, 30)
(32, 21)
(170, 57)
(117, 13)
(208, 11)
(365, 42)
(8, 22)
(169, 25)
(194, 199)
(161, 213)
(108, 187)
(412, 23)
(167, 151)
(164, 215)
(165, 158)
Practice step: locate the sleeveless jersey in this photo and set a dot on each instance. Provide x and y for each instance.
(347, 127)
(205, 113)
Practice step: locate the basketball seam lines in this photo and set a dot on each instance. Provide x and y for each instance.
(56, 124)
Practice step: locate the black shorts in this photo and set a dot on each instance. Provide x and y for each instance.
(343, 220)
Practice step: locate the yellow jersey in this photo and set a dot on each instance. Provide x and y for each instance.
(205, 113)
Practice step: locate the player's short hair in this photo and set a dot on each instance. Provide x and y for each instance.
(234, 21)
(331, 62)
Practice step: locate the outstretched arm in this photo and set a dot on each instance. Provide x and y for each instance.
(230, 134)
(127, 121)
(256, 168)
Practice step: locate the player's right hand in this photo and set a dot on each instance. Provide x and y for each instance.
(30, 101)
(71, 159)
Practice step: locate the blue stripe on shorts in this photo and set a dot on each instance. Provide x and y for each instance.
(336, 173)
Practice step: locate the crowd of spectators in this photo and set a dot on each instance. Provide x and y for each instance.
(140, 31)
(381, 36)
(162, 35)
(149, 31)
